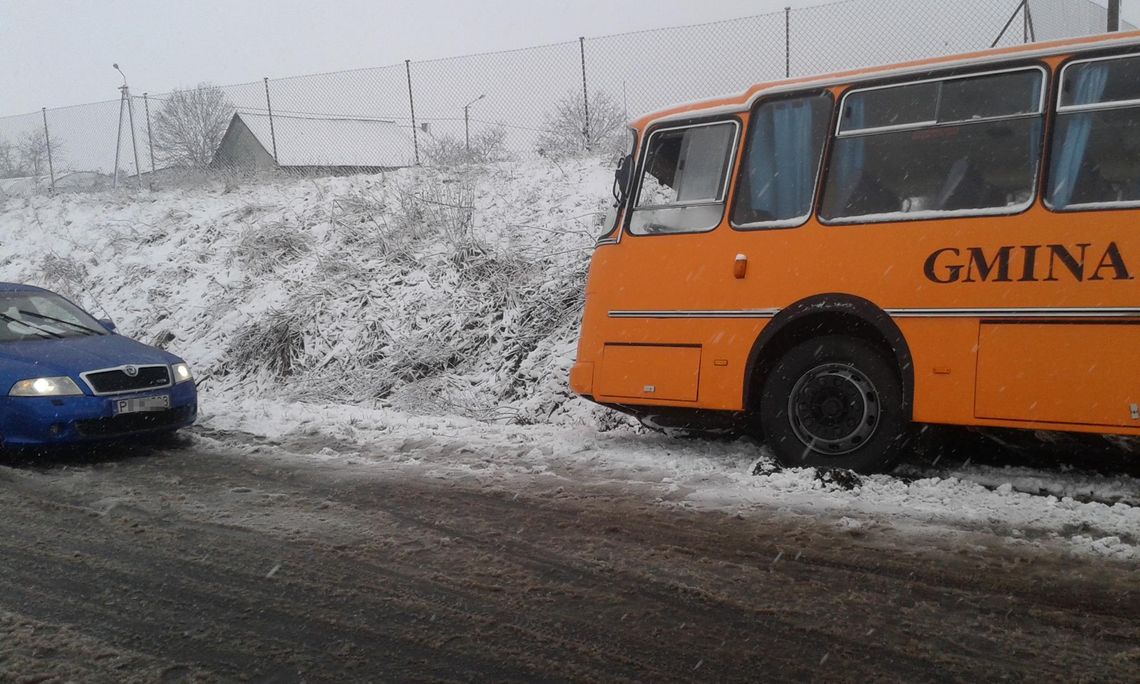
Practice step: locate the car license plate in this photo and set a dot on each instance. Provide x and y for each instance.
(160, 402)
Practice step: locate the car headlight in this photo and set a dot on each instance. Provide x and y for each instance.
(61, 386)
(182, 372)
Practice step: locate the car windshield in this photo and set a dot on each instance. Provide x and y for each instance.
(42, 315)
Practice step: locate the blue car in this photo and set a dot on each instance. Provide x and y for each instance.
(68, 378)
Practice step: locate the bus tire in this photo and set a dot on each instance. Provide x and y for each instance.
(834, 401)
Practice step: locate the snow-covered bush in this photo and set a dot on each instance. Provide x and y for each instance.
(569, 130)
(267, 246)
(274, 342)
(434, 290)
(486, 145)
(63, 274)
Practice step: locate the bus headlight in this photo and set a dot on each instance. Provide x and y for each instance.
(182, 373)
(61, 386)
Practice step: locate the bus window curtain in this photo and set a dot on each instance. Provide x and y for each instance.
(793, 129)
(850, 153)
(782, 173)
(1090, 83)
(762, 167)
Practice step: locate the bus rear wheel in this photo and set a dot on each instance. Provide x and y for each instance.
(834, 401)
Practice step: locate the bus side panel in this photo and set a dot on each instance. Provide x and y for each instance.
(943, 352)
(1087, 373)
(670, 355)
(638, 371)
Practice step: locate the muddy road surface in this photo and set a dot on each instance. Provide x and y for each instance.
(200, 562)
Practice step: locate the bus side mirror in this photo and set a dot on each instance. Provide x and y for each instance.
(108, 324)
(622, 176)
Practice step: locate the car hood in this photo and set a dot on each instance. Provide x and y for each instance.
(74, 355)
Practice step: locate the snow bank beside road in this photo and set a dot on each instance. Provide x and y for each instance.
(428, 290)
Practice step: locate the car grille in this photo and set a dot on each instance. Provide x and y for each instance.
(114, 380)
(132, 422)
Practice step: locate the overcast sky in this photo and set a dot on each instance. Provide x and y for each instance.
(59, 52)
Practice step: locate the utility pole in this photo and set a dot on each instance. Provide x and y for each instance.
(125, 102)
(149, 137)
(1113, 16)
(134, 143)
(119, 128)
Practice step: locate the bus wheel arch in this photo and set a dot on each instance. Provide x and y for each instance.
(818, 316)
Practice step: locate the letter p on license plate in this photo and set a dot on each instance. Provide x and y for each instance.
(140, 404)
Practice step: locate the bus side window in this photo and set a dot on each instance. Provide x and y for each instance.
(967, 144)
(777, 180)
(682, 187)
(1096, 144)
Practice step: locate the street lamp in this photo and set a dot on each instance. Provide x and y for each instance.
(125, 101)
(467, 122)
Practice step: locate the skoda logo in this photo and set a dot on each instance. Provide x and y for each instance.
(131, 371)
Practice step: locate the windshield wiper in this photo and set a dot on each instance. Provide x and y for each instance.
(59, 320)
(32, 326)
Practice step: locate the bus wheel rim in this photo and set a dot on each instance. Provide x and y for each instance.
(834, 409)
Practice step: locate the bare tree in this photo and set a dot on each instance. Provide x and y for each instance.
(9, 164)
(565, 130)
(486, 146)
(32, 152)
(189, 126)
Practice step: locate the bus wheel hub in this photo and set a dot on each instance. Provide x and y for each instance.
(833, 409)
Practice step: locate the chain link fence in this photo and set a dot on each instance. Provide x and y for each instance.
(554, 100)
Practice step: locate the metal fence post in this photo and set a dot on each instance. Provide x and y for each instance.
(1113, 16)
(149, 137)
(585, 93)
(787, 42)
(47, 142)
(1027, 22)
(272, 133)
(412, 106)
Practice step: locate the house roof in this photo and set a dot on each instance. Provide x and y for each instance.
(331, 141)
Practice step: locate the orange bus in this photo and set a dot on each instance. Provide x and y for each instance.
(832, 259)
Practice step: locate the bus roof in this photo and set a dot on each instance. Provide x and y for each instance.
(743, 101)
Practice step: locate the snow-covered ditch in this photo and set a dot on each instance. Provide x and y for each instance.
(429, 316)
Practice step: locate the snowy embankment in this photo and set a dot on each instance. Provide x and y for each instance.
(428, 317)
(430, 291)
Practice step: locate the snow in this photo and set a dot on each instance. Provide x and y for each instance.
(889, 216)
(426, 319)
(709, 475)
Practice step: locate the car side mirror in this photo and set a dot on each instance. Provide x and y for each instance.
(621, 177)
(108, 324)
